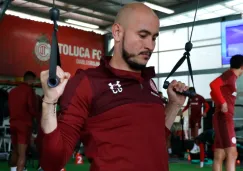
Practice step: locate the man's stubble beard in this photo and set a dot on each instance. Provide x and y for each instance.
(128, 59)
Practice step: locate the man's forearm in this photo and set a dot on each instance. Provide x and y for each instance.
(48, 118)
(171, 111)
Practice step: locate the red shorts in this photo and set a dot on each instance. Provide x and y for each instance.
(20, 134)
(224, 130)
(193, 122)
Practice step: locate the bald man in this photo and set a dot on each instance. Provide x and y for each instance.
(114, 109)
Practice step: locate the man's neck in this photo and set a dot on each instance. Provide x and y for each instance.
(118, 62)
(236, 72)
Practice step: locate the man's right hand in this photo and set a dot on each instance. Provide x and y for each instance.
(53, 94)
(224, 108)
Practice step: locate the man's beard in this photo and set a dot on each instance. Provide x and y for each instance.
(132, 64)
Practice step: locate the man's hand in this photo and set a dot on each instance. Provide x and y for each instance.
(173, 96)
(224, 108)
(175, 102)
(53, 94)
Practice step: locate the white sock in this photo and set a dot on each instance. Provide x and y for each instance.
(13, 168)
(201, 164)
(169, 150)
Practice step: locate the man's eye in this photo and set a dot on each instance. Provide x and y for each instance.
(143, 36)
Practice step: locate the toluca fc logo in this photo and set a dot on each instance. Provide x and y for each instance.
(115, 88)
(42, 49)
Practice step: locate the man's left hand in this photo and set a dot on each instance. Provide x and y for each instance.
(174, 97)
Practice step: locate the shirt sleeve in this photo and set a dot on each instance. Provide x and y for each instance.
(206, 105)
(57, 147)
(216, 90)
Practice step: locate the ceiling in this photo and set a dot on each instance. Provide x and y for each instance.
(101, 13)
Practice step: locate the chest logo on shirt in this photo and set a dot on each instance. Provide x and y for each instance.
(115, 88)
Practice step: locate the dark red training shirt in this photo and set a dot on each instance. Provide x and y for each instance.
(223, 89)
(22, 104)
(196, 103)
(119, 117)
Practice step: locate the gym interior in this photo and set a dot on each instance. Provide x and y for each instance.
(84, 35)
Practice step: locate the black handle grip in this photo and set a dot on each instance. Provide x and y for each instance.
(188, 93)
(53, 81)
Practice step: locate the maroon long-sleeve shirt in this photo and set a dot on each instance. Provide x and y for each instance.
(223, 89)
(119, 117)
(22, 105)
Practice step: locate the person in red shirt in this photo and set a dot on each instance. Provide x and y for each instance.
(196, 104)
(223, 93)
(22, 109)
(114, 109)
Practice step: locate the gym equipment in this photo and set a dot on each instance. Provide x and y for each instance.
(186, 55)
(191, 92)
(4, 4)
(53, 80)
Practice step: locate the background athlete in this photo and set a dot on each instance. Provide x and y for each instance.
(223, 93)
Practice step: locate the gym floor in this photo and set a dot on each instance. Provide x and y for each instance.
(71, 166)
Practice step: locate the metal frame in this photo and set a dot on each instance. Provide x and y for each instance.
(195, 72)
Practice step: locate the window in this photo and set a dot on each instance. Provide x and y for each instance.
(206, 31)
(110, 44)
(202, 83)
(156, 81)
(206, 57)
(153, 61)
(156, 49)
(173, 39)
(215, 41)
(167, 61)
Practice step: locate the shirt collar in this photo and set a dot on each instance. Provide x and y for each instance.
(147, 73)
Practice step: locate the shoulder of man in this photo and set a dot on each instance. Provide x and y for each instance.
(81, 80)
(227, 75)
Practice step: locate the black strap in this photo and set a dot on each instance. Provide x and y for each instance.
(186, 55)
(55, 60)
(4, 4)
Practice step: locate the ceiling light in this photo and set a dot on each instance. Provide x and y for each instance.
(225, 12)
(167, 22)
(233, 3)
(214, 8)
(199, 12)
(81, 24)
(239, 7)
(159, 8)
(102, 32)
(45, 20)
(181, 18)
(27, 16)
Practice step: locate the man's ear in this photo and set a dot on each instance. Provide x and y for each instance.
(117, 32)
